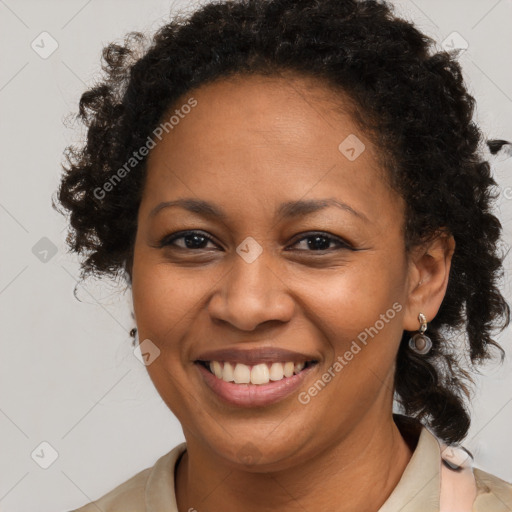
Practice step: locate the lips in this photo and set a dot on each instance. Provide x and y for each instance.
(251, 395)
(244, 392)
(255, 356)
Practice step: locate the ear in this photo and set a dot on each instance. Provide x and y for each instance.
(429, 269)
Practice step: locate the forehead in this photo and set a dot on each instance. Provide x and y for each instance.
(283, 110)
(260, 138)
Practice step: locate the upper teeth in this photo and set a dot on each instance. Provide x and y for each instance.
(258, 374)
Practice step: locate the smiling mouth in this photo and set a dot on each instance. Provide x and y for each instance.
(258, 374)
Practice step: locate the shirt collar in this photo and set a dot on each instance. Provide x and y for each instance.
(160, 494)
(418, 488)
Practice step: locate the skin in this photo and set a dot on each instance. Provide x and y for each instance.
(250, 144)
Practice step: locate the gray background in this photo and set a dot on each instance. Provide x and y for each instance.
(68, 376)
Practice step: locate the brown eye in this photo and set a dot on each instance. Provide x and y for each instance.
(322, 242)
(316, 242)
(192, 240)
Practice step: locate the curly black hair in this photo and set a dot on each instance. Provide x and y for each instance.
(409, 98)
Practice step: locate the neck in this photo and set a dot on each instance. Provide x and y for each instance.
(358, 473)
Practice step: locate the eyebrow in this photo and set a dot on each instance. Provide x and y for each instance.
(286, 210)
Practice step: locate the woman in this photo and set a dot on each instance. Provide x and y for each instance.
(295, 194)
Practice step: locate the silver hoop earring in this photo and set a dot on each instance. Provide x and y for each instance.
(420, 342)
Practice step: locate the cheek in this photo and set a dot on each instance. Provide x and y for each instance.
(161, 302)
(168, 299)
(352, 298)
(359, 315)
(161, 298)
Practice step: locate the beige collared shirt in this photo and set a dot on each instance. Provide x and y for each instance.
(152, 489)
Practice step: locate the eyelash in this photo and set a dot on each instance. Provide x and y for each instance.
(167, 240)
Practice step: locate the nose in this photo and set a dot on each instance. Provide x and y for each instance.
(251, 294)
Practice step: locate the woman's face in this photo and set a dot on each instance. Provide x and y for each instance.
(283, 272)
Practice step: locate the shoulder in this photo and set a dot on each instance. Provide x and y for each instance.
(131, 495)
(493, 493)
